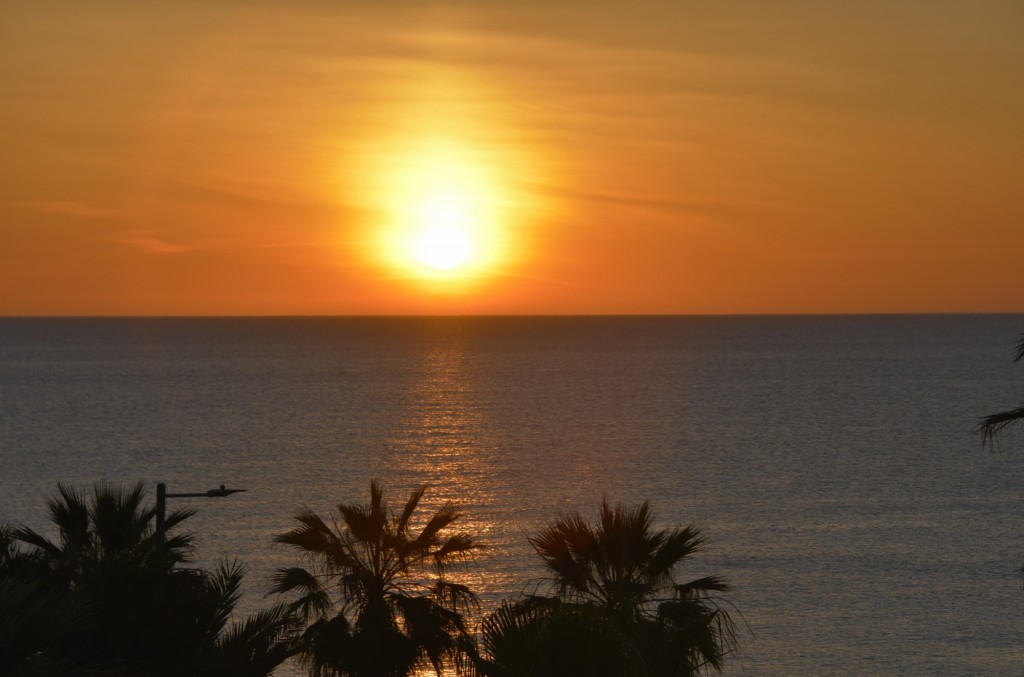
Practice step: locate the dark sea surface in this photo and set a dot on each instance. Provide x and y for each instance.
(831, 461)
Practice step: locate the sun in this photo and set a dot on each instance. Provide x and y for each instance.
(444, 242)
(444, 195)
(443, 248)
(443, 210)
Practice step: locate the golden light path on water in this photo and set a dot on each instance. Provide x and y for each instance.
(445, 432)
(445, 435)
(447, 444)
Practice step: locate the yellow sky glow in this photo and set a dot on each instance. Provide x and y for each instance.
(438, 212)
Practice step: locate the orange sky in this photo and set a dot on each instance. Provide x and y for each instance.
(249, 158)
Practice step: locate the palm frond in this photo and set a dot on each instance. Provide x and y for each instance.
(455, 596)
(313, 536)
(259, 644)
(176, 517)
(36, 540)
(697, 635)
(508, 638)
(365, 524)
(287, 579)
(226, 586)
(991, 425)
(177, 548)
(313, 601)
(456, 547)
(566, 547)
(70, 514)
(118, 515)
(677, 546)
(701, 587)
(433, 628)
(402, 525)
(448, 513)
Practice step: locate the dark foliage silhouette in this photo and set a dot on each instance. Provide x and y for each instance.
(614, 608)
(374, 592)
(120, 603)
(993, 423)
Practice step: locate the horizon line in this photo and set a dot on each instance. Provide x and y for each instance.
(505, 315)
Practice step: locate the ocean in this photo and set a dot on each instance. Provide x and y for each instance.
(832, 462)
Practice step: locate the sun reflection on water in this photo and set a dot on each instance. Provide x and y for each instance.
(446, 435)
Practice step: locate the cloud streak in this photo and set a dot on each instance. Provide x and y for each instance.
(152, 245)
(81, 210)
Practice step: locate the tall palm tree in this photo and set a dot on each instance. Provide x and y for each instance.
(105, 563)
(111, 526)
(374, 592)
(614, 606)
(136, 608)
(990, 425)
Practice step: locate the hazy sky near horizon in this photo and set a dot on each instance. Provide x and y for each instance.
(248, 158)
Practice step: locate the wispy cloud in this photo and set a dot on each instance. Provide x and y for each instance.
(624, 200)
(81, 210)
(152, 245)
(156, 245)
(288, 245)
(213, 194)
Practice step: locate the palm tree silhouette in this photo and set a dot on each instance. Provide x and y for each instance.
(35, 622)
(110, 526)
(136, 608)
(374, 595)
(614, 608)
(990, 425)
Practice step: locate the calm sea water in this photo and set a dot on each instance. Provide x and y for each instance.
(831, 461)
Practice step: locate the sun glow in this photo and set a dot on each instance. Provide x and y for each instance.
(443, 188)
(443, 248)
(444, 242)
(443, 213)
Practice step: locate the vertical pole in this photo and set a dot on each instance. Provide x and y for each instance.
(161, 511)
